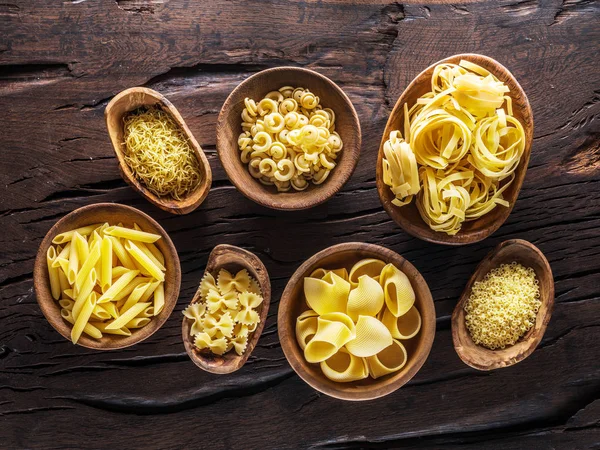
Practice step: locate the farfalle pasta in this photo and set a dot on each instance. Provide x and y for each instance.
(357, 320)
(460, 149)
(225, 312)
(288, 139)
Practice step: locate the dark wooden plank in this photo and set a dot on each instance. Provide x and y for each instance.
(60, 63)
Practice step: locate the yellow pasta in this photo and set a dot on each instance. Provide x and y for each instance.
(53, 273)
(90, 328)
(460, 149)
(73, 266)
(68, 235)
(118, 286)
(144, 261)
(225, 312)
(106, 271)
(352, 329)
(131, 235)
(81, 320)
(134, 297)
(124, 318)
(88, 265)
(159, 298)
(102, 327)
(122, 254)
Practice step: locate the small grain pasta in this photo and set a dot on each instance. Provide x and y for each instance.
(96, 279)
(288, 140)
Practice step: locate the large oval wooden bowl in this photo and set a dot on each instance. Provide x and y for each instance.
(130, 100)
(112, 213)
(233, 259)
(229, 127)
(480, 357)
(293, 303)
(408, 217)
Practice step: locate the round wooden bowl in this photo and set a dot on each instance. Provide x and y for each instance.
(130, 100)
(408, 216)
(112, 213)
(229, 127)
(233, 259)
(480, 357)
(293, 303)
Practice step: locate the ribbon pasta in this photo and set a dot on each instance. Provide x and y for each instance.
(460, 149)
(288, 139)
(226, 308)
(95, 279)
(357, 319)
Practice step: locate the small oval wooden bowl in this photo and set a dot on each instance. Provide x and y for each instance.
(130, 100)
(112, 213)
(233, 259)
(408, 216)
(293, 303)
(229, 127)
(480, 357)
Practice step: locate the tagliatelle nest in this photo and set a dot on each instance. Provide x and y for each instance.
(159, 154)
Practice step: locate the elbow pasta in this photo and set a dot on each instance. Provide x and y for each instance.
(288, 139)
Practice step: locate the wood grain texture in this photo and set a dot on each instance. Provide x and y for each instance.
(229, 127)
(129, 100)
(408, 217)
(479, 357)
(61, 64)
(293, 303)
(233, 259)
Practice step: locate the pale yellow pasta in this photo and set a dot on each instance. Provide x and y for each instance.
(81, 320)
(329, 294)
(53, 273)
(405, 326)
(106, 256)
(389, 360)
(102, 327)
(130, 286)
(88, 264)
(90, 328)
(207, 283)
(63, 257)
(134, 297)
(370, 267)
(195, 312)
(63, 281)
(148, 293)
(131, 235)
(152, 247)
(117, 271)
(73, 266)
(227, 282)
(111, 308)
(137, 322)
(66, 303)
(334, 330)
(144, 248)
(124, 318)
(144, 261)
(122, 254)
(118, 286)
(399, 294)
(371, 337)
(68, 235)
(86, 289)
(159, 298)
(344, 367)
(365, 299)
(100, 313)
(81, 247)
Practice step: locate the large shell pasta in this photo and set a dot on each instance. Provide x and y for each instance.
(356, 319)
(95, 279)
(288, 140)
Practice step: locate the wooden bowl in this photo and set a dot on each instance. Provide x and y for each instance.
(229, 127)
(130, 100)
(408, 216)
(112, 213)
(480, 357)
(233, 259)
(293, 303)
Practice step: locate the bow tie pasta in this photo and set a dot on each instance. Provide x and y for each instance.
(357, 320)
(225, 312)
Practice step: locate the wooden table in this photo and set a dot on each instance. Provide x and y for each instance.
(62, 61)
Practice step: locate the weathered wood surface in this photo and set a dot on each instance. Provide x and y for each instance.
(62, 61)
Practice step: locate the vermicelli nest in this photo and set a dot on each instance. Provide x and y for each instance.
(159, 154)
(503, 306)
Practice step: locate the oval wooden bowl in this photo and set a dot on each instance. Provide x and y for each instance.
(408, 216)
(293, 304)
(480, 357)
(112, 213)
(229, 127)
(130, 100)
(233, 259)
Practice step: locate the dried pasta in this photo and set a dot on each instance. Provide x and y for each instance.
(288, 139)
(460, 149)
(356, 320)
(97, 283)
(225, 312)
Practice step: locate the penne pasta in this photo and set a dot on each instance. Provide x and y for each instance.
(84, 293)
(132, 235)
(63, 256)
(117, 271)
(134, 297)
(146, 262)
(152, 247)
(68, 235)
(106, 263)
(53, 273)
(117, 286)
(144, 248)
(122, 254)
(82, 248)
(159, 298)
(138, 322)
(88, 265)
(111, 308)
(130, 287)
(64, 282)
(149, 291)
(101, 313)
(73, 266)
(123, 319)
(82, 319)
(66, 303)
(119, 331)
(148, 312)
(69, 294)
(89, 329)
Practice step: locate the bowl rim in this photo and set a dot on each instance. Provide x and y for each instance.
(377, 388)
(477, 235)
(46, 302)
(321, 193)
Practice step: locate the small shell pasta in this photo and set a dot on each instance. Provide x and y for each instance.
(288, 140)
